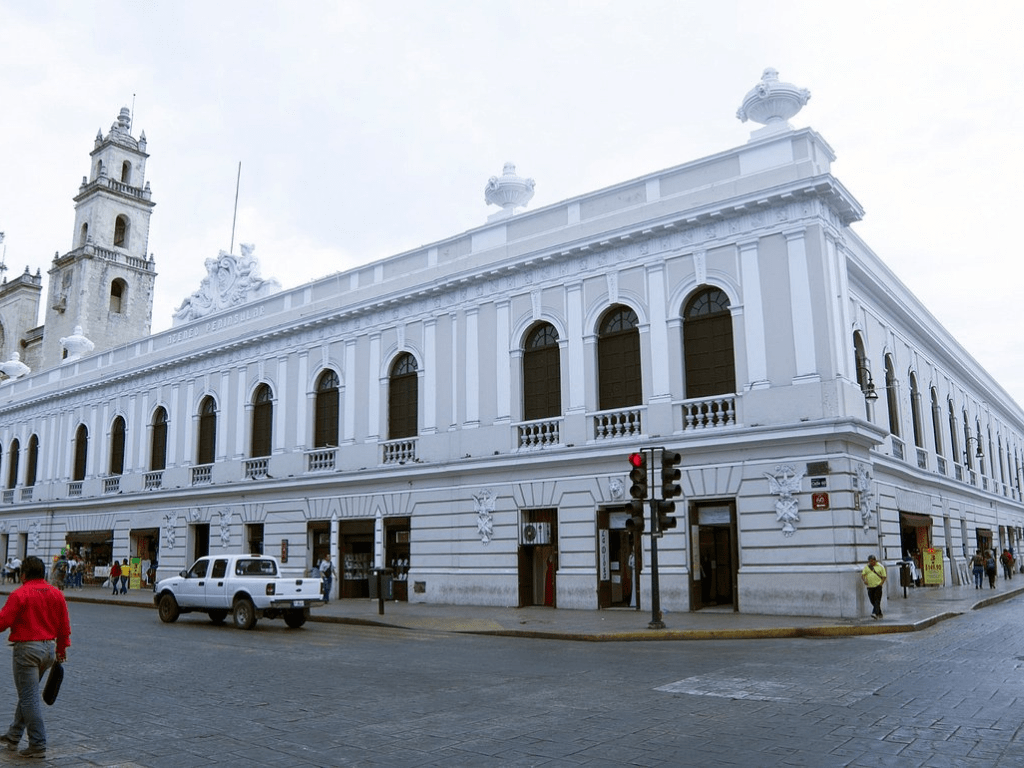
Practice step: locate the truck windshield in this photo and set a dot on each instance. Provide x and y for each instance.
(246, 567)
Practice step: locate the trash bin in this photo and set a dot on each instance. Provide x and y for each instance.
(905, 579)
(387, 588)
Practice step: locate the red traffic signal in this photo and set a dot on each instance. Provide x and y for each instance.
(638, 475)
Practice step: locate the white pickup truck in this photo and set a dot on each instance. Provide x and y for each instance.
(246, 586)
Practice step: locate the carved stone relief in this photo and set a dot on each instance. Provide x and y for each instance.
(485, 514)
(864, 495)
(785, 483)
(230, 281)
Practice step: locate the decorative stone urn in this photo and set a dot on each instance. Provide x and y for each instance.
(508, 190)
(771, 102)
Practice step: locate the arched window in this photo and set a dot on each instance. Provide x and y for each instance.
(262, 421)
(12, 463)
(954, 437)
(403, 398)
(708, 353)
(917, 423)
(158, 442)
(126, 172)
(207, 431)
(33, 461)
(936, 422)
(892, 396)
(118, 295)
(117, 431)
(542, 374)
(121, 231)
(620, 381)
(983, 453)
(81, 453)
(325, 419)
(83, 236)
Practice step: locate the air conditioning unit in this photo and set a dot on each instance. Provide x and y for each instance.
(536, 533)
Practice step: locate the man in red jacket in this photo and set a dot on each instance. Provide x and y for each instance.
(37, 616)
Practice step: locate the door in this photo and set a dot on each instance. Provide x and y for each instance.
(616, 564)
(715, 568)
(538, 558)
(193, 587)
(216, 591)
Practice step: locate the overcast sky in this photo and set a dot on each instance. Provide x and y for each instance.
(365, 129)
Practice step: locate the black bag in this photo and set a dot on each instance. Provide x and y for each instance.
(52, 687)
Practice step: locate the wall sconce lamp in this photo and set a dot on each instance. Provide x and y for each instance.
(867, 385)
(979, 453)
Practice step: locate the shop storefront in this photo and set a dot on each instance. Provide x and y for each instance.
(95, 548)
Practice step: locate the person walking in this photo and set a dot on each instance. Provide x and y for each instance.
(327, 576)
(978, 568)
(873, 575)
(125, 570)
(37, 616)
(990, 567)
(115, 575)
(1007, 560)
(16, 569)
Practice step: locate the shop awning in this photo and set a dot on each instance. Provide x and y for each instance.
(89, 537)
(912, 520)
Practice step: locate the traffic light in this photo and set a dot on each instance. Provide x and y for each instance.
(638, 476)
(670, 488)
(665, 520)
(670, 474)
(635, 524)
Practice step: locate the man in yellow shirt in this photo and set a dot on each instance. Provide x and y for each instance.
(874, 577)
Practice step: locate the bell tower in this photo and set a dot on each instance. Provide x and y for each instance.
(104, 284)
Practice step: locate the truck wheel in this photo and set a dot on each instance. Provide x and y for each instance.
(244, 613)
(168, 609)
(295, 617)
(218, 615)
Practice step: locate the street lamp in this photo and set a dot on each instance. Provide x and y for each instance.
(979, 453)
(867, 384)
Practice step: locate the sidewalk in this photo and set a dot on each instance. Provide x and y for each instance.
(923, 607)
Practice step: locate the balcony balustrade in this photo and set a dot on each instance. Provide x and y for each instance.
(622, 422)
(709, 412)
(321, 460)
(540, 433)
(256, 469)
(399, 451)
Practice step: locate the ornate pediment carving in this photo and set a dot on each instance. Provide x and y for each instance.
(231, 281)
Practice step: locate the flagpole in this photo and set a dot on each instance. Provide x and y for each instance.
(234, 217)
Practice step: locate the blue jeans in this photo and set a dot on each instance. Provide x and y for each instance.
(977, 577)
(30, 662)
(327, 588)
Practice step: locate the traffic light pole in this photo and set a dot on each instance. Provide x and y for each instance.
(656, 622)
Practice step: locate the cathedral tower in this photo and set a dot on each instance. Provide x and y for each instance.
(104, 284)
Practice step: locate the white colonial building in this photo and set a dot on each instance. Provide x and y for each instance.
(462, 413)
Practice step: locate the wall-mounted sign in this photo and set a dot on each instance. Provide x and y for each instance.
(819, 501)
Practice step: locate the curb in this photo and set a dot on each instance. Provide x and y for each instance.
(639, 635)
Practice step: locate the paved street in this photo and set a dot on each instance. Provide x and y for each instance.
(140, 693)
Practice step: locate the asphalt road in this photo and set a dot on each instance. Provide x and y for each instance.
(141, 693)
